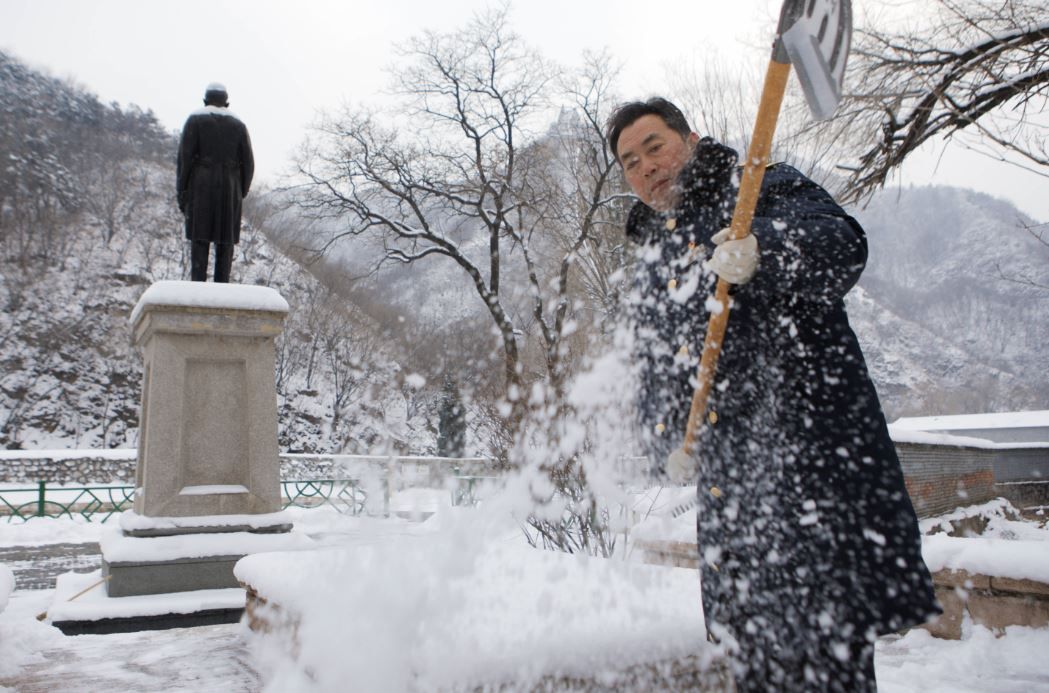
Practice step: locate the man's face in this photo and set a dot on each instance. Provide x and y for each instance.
(652, 155)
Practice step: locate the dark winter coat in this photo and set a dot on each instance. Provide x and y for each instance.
(214, 172)
(805, 526)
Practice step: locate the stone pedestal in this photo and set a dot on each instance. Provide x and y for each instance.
(208, 476)
(208, 424)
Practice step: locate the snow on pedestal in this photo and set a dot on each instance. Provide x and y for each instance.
(136, 525)
(138, 566)
(82, 606)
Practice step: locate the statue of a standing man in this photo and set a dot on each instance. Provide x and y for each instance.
(215, 167)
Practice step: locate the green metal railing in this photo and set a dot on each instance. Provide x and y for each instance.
(99, 503)
(86, 501)
(346, 496)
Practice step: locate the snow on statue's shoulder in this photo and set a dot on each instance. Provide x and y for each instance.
(214, 110)
(210, 295)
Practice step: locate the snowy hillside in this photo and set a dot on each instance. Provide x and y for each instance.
(87, 223)
(916, 369)
(72, 379)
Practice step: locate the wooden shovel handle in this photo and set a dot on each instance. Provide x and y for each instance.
(742, 217)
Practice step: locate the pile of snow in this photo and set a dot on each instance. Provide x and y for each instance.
(1003, 521)
(1007, 546)
(1019, 560)
(432, 612)
(982, 660)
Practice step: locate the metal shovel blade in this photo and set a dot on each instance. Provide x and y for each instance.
(818, 45)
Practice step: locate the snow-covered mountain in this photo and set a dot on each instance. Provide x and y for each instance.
(954, 308)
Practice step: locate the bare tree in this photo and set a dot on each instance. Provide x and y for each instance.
(975, 69)
(456, 173)
(576, 245)
(114, 192)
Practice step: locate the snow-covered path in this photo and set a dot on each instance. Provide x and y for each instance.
(217, 658)
(209, 658)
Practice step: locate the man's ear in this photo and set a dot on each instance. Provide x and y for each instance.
(693, 139)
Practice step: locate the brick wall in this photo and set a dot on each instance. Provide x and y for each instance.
(941, 478)
(63, 469)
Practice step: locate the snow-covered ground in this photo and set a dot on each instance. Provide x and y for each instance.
(35, 656)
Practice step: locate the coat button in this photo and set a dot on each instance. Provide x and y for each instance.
(712, 417)
(672, 284)
(715, 491)
(660, 428)
(683, 351)
(671, 224)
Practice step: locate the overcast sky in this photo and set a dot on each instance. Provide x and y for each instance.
(283, 62)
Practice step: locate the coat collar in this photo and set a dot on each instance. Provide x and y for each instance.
(703, 181)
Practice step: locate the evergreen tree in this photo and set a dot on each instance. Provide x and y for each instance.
(451, 424)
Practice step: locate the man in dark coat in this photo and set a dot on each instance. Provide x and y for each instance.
(215, 167)
(808, 544)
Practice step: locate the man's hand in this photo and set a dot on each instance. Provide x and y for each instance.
(734, 261)
(681, 467)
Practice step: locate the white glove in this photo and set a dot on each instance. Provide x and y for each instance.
(734, 261)
(681, 469)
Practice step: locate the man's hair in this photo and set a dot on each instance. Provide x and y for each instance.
(626, 114)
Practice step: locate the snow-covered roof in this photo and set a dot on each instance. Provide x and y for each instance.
(906, 435)
(1012, 419)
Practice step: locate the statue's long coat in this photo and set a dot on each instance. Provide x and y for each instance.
(214, 172)
(805, 527)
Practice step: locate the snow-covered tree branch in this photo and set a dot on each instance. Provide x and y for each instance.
(975, 70)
